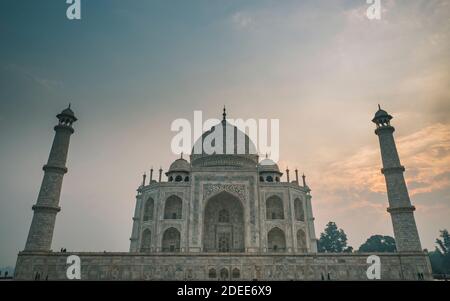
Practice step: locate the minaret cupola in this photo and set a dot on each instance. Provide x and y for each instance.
(179, 170)
(382, 118)
(269, 171)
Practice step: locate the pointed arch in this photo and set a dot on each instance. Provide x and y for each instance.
(148, 209)
(171, 240)
(274, 208)
(301, 241)
(146, 240)
(173, 207)
(224, 275)
(212, 273)
(223, 224)
(236, 274)
(276, 240)
(299, 211)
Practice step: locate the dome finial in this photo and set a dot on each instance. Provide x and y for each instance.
(224, 113)
(379, 107)
(181, 155)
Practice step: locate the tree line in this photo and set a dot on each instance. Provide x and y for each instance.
(334, 240)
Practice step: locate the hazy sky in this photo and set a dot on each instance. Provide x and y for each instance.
(130, 68)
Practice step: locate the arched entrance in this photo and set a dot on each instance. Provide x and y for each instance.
(146, 240)
(224, 275)
(276, 240)
(274, 208)
(301, 241)
(171, 240)
(173, 208)
(223, 224)
(148, 210)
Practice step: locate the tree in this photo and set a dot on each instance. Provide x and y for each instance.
(378, 243)
(436, 262)
(444, 246)
(440, 258)
(333, 240)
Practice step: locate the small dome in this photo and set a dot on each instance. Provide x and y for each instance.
(381, 116)
(268, 165)
(180, 165)
(68, 112)
(67, 115)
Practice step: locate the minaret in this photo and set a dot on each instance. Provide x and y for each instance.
(400, 208)
(47, 205)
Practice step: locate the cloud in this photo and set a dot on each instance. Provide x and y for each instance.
(46, 83)
(352, 191)
(427, 158)
(242, 20)
(425, 153)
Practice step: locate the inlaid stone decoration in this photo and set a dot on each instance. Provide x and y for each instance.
(222, 217)
(236, 189)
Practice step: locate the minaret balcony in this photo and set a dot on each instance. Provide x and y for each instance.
(401, 209)
(391, 170)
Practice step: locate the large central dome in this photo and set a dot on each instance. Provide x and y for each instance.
(224, 145)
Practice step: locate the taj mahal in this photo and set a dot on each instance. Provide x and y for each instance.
(222, 216)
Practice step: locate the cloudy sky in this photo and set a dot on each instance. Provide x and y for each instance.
(130, 68)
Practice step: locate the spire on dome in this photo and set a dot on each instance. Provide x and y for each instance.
(224, 113)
